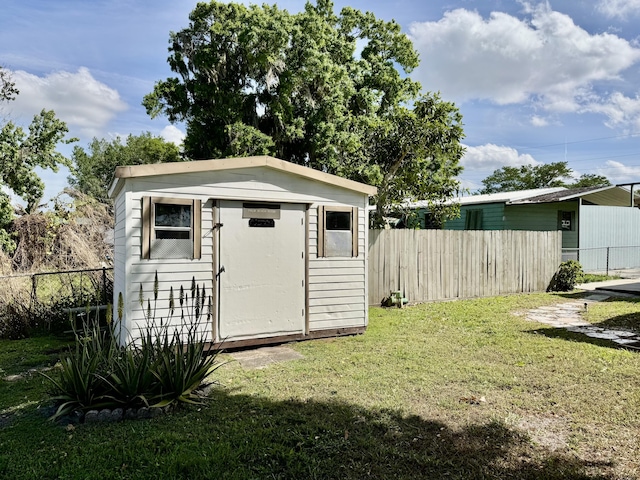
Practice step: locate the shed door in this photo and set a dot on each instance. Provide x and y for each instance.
(262, 270)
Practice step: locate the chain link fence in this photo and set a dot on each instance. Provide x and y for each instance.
(606, 260)
(45, 300)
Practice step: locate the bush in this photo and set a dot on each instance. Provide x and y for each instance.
(168, 364)
(569, 274)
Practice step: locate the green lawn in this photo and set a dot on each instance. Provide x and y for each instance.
(452, 390)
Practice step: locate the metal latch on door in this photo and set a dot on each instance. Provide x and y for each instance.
(221, 270)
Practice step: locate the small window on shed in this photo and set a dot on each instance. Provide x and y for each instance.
(170, 228)
(337, 231)
(473, 219)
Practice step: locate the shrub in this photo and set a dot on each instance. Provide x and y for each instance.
(167, 364)
(569, 274)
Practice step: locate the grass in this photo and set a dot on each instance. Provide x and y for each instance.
(595, 277)
(617, 313)
(404, 400)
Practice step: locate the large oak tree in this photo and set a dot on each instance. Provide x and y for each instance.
(329, 91)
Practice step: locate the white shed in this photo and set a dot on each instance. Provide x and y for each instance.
(281, 248)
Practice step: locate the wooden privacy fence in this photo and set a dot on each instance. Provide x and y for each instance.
(430, 265)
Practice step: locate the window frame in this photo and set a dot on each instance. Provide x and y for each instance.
(572, 220)
(473, 219)
(322, 230)
(149, 227)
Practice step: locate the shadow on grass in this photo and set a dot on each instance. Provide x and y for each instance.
(239, 436)
(564, 334)
(628, 321)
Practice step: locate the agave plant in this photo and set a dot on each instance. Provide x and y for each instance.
(161, 368)
(183, 366)
(80, 385)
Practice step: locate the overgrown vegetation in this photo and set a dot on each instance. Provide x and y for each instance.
(70, 236)
(167, 364)
(402, 401)
(596, 277)
(569, 274)
(21, 152)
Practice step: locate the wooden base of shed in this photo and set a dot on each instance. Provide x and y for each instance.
(255, 342)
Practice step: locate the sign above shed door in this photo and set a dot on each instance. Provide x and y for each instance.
(262, 264)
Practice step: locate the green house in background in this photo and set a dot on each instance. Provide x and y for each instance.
(590, 218)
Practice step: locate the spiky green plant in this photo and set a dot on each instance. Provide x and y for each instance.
(80, 385)
(168, 363)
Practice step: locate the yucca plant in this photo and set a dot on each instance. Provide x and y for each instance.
(81, 385)
(184, 361)
(183, 366)
(131, 379)
(162, 367)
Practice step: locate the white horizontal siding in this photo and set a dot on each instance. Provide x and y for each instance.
(172, 273)
(337, 286)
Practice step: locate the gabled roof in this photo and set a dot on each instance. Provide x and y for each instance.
(198, 166)
(507, 197)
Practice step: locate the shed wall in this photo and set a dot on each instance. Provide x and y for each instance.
(614, 227)
(543, 217)
(492, 214)
(337, 286)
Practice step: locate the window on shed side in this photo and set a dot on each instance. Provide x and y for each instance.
(337, 231)
(473, 219)
(171, 228)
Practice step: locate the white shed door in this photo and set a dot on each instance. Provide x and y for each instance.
(262, 270)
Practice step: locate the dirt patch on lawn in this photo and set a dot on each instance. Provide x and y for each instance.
(549, 431)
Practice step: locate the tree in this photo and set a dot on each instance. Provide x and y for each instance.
(21, 152)
(415, 154)
(92, 170)
(314, 88)
(557, 174)
(8, 90)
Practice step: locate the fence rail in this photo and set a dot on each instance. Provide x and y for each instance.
(41, 299)
(430, 265)
(604, 259)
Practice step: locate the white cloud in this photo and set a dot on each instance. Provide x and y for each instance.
(617, 172)
(173, 134)
(544, 57)
(538, 121)
(619, 8)
(621, 111)
(491, 157)
(77, 98)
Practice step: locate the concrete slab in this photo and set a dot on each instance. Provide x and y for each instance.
(597, 297)
(626, 341)
(262, 357)
(624, 286)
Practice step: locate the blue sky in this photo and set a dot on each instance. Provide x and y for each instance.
(536, 82)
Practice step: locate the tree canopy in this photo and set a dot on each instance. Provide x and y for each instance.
(92, 169)
(557, 174)
(21, 152)
(325, 90)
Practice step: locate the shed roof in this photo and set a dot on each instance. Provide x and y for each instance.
(609, 195)
(197, 166)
